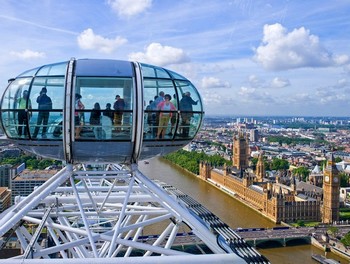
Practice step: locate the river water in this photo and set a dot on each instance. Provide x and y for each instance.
(229, 210)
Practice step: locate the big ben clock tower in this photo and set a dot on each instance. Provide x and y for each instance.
(331, 185)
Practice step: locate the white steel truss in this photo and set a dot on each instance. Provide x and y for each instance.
(106, 216)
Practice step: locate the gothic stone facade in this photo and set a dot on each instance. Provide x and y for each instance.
(277, 206)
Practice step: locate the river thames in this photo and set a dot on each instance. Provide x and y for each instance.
(228, 209)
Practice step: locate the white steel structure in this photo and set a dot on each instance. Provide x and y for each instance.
(107, 215)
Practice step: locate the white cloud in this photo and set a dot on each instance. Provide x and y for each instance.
(334, 98)
(246, 91)
(299, 98)
(217, 102)
(88, 40)
(279, 82)
(254, 80)
(211, 99)
(281, 50)
(212, 82)
(28, 54)
(342, 83)
(341, 59)
(127, 8)
(160, 55)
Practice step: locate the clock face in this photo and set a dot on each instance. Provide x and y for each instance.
(335, 179)
(326, 178)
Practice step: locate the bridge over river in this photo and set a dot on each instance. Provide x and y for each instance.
(284, 236)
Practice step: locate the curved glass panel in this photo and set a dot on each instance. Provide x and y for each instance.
(160, 115)
(175, 75)
(153, 71)
(189, 125)
(189, 99)
(103, 108)
(15, 100)
(53, 69)
(31, 72)
(46, 96)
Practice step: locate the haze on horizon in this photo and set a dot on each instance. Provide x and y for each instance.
(246, 57)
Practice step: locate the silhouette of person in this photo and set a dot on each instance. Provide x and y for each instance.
(109, 112)
(159, 98)
(173, 117)
(80, 106)
(118, 106)
(164, 117)
(95, 120)
(23, 115)
(149, 116)
(186, 112)
(44, 106)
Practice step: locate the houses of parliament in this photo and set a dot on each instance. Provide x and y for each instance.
(281, 198)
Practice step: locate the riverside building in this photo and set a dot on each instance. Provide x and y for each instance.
(280, 198)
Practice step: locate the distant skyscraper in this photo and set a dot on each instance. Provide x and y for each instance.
(6, 172)
(253, 135)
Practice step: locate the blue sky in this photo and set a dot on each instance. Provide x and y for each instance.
(246, 57)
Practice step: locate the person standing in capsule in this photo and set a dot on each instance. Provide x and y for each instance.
(44, 107)
(23, 114)
(118, 106)
(78, 106)
(165, 115)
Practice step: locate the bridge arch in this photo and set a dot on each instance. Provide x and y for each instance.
(269, 243)
(297, 241)
(280, 242)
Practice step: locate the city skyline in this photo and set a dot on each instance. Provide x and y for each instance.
(245, 57)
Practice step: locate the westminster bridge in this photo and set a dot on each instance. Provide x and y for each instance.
(285, 236)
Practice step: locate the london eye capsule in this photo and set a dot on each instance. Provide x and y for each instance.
(97, 110)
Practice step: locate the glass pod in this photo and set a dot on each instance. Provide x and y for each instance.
(91, 110)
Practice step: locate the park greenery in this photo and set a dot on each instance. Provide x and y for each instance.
(31, 161)
(346, 240)
(190, 160)
(344, 213)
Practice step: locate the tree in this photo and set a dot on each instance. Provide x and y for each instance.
(346, 240)
(254, 161)
(333, 230)
(337, 159)
(190, 160)
(279, 164)
(344, 179)
(300, 223)
(303, 172)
